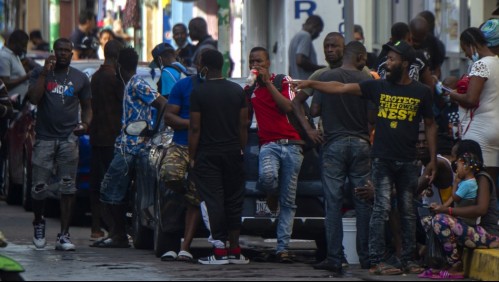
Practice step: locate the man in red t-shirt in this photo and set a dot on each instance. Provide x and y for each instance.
(281, 153)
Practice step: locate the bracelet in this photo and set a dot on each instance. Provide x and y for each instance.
(450, 211)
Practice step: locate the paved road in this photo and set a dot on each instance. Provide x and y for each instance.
(132, 265)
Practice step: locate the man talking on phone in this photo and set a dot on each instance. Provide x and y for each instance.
(59, 91)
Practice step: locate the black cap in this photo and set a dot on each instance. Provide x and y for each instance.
(160, 49)
(403, 48)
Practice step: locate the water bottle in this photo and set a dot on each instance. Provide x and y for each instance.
(252, 77)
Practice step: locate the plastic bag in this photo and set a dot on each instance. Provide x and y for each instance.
(434, 257)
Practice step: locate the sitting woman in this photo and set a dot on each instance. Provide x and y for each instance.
(451, 229)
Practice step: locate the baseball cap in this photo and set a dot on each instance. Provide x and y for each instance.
(403, 48)
(160, 49)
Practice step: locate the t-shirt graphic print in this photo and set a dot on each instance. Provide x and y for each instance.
(400, 109)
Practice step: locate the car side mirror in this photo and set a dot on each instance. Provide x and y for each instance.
(137, 128)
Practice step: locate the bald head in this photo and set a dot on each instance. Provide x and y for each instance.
(198, 28)
(419, 31)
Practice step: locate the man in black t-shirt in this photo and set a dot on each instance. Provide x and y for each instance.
(217, 136)
(402, 103)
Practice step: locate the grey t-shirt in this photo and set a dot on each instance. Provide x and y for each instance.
(12, 67)
(59, 109)
(344, 115)
(301, 44)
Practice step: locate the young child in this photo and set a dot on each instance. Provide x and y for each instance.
(464, 191)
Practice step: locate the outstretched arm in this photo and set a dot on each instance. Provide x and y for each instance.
(329, 87)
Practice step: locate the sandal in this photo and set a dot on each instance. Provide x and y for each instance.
(384, 269)
(111, 243)
(445, 274)
(185, 256)
(428, 273)
(169, 256)
(413, 268)
(284, 257)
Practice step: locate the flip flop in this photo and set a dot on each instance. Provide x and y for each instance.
(426, 274)
(185, 256)
(169, 256)
(444, 274)
(110, 243)
(385, 269)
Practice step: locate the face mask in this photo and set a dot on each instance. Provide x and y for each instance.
(475, 57)
(202, 74)
(22, 56)
(160, 62)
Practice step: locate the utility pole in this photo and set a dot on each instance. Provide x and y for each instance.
(224, 33)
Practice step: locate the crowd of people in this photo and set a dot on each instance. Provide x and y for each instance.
(390, 130)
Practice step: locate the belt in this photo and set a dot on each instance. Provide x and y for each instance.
(288, 142)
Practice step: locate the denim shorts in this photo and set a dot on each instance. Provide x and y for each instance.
(59, 157)
(116, 182)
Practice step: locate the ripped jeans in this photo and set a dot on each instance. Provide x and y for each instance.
(278, 174)
(61, 155)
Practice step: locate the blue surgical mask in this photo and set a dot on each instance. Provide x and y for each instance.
(475, 57)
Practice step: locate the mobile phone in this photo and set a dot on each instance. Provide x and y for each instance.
(424, 211)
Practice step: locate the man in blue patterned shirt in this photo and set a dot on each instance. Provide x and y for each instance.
(138, 101)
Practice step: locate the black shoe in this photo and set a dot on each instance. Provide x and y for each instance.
(327, 265)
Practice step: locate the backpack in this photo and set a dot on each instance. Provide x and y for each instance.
(293, 119)
(183, 74)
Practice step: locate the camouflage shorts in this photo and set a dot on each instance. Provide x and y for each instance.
(173, 170)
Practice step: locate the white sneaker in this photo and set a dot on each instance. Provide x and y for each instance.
(39, 235)
(238, 259)
(63, 243)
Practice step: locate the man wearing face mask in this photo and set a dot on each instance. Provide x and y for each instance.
(301, 54)
(402, 103)
(12, 71)
(59, 91)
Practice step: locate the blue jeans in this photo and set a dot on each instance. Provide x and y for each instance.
(278, 174)
(116, 181)
(404, 175)
(342, 159)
